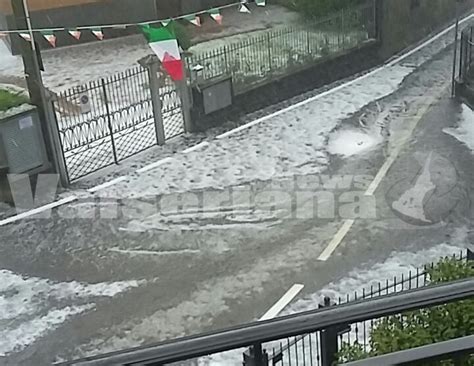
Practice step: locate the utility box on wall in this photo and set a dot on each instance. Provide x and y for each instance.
(22, 148)
(22, 143)
(213, 95)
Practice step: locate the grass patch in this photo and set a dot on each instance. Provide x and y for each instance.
(10, 99)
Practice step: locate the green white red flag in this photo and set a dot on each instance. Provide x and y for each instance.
(26, 36)
(195, 19)
(75, 33)
(50, 37)
(98, 33)
(216, 15)
(164, 44)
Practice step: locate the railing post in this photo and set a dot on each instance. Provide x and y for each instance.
(152, 68)
(343, 30)
(329, 344)
(269, 53)
(226, 60)
(109, 120)
(255, 356)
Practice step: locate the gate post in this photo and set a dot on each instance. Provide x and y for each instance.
(55, 138)
(151, 64)
(184, 93)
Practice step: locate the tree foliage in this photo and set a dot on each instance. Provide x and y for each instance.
(319, 8)
(424, 326)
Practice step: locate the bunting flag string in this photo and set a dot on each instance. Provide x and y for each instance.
(216, 15)
(97, 31)
(99, 28)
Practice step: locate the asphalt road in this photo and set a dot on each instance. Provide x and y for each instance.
(208, 278)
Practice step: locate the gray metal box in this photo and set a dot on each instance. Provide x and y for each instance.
(217, 94)
(22, 146)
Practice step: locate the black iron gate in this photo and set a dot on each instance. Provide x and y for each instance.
(108, 120)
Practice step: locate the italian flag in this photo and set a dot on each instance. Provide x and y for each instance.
(163, 42)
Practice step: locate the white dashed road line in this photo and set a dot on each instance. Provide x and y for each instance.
(196, 147)
(37, 210)
(154, 165)
(283, 302)
(106, 184)
(347, 224)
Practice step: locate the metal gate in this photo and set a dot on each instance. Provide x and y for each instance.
(106, 121)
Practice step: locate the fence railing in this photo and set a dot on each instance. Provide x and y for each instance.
(106, 121)
(273, 53)
(309, 338)
(358, 332)
(257, 334)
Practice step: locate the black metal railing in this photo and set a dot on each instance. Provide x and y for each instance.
(307, 349)
(261, 336)
(272, 53)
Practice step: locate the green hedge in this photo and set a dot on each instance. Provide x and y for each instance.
(422, 327)
(10, 100)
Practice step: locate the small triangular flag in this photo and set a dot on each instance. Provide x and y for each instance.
(216, 15)
(165, 23)
(75, 33)
(50, 37)
(243, 8)
(194, 19)
(260, 2)
(98, 33)
(26, 36)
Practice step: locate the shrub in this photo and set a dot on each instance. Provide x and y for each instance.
(318, 8)
(11, 99)
(425, 326)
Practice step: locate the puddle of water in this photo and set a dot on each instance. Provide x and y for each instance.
(351, 142)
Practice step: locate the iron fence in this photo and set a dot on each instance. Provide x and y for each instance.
(308, 349)
(106, 121)
(257, 335)
(309, 338)
(273, 53)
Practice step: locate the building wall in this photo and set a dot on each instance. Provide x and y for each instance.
(37, 5)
